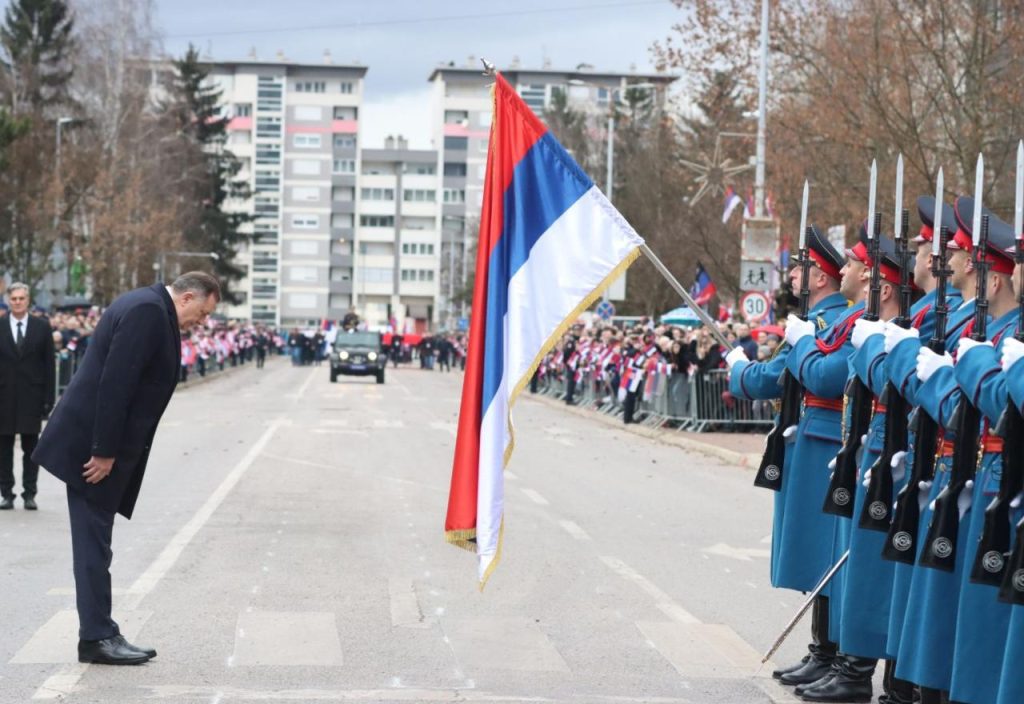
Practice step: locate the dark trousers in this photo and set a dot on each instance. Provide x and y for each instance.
(628, 407)
(29, 469)
(261, 358)
(570, 388)
(91, 532)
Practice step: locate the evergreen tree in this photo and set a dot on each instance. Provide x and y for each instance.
(196, 108)
(37, 39)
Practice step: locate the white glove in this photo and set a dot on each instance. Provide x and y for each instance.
(894, 335)
(863, 329)
(1013, 350)
(735, 356)
(963, 501)
(966, 344)
(866, 481)
(928, 363)
(789, 432)
(899, 466)
(924, 488)
(1016, 500)
(832, 464)
(797, 329)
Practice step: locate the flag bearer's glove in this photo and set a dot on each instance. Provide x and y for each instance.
(894, 335)
(735, 356)
(966, 344)
(1013, 350)
(797, 329)
(863, 329)
(928, 363)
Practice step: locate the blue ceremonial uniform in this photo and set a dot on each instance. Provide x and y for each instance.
(760, 380)
(1011, 684)
(982, 619)
(867, 582)
(905, 377)
(929, 627)
(805, 556)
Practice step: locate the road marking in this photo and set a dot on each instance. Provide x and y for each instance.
(405, 607)
(742, 554)
(334, 421)
(56, 641)
(309, 380)
(287, 638)
(535, 497)
(385, 423)
(574, 530)
(664, 602)
(68, 677)
(467, 693)
(340, 431)
(452, 428)
(70, 591)
(503, 644)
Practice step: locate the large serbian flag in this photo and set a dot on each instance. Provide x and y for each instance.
(550, 243)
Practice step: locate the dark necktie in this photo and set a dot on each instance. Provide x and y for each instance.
(21, 337)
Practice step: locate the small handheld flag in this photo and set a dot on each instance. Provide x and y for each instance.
(703, 287)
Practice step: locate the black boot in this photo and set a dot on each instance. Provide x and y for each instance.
(850, 682)
(818, 664)
(897, 691)
(932, 696)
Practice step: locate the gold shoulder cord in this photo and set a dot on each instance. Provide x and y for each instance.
(842, 420)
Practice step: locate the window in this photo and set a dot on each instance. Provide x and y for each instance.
(264, 262)
(305, 222)
(240, 137)
(456, 117)
(460, 143)
(341, 220)
(378, 275)
(405, 274)
(376, 220)
(268, 154)
(454, 168)
(533, 95)
(377, 194)
(306, 141)
(269, 90)
(303, 247)
(344, 166)
(427, 249)
(602, 96)
(419, 195)
(268, 127)
(268, 180)
(417, 275)
(264, 234)
(305, 193)
(302, 274)
(421, 169)
(346, 87)
(454, 195)
(345, 141)
(309, 113)
(266, 207)
(302, 300)
(243, 109)
(310, 87)
(264, 290)
(345, 112)
(306, 167)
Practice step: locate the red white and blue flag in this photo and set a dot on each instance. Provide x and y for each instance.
(703, 287)
(550, 242)
(732, 201)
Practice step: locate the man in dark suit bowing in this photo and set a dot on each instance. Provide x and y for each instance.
(27, 378)
(99, 437)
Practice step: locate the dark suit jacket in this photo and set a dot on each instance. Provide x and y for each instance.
(115, 400)
(27, 376)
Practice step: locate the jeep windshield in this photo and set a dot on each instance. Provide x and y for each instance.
(357, 339)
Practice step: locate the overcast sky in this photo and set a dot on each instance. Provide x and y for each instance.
(401, 41)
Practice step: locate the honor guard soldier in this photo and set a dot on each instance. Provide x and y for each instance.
(982, 619)
(926, 644)
(820, 365)
(797, 558)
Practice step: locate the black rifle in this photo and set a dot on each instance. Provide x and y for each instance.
(876, 513)
(994, 544)
(901, 543)
(940, 544)
(843, 484)
(769, 472)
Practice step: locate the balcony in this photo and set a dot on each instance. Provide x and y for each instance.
(343, 180)
(343, 206)
(340, 287)
(341, 261)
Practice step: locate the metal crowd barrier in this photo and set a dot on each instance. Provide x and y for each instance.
(698, 403)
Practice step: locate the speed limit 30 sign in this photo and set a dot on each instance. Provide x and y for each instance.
(755, 306)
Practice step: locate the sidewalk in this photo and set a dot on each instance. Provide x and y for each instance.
(737, 449)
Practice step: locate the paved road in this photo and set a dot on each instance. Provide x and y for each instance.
(288, 547)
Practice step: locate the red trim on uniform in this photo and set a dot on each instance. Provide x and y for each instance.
(842, 334)
(859, 252)
(832, 404)
(918, 320)
(999, 263)
(825, 265)
(991, 443)
(961, 240)
(925, 235)
(945, 448)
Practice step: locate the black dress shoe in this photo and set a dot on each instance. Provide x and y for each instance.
(815, 668)
(151, 652)
(109, 651)
(30, 504)
(850, 682)
(7, 503)
(801, 688)
(776, 674)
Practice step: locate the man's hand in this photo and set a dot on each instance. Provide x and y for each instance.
(797, 329)
(97, 469)
(863, 329)
(735, 356)
(894, 335)
(928, 363)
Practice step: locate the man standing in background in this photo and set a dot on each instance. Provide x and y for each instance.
(27, 389)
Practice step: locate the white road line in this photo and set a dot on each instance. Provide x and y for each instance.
(405, 607)
(67, 678)
(664, 602)
(468, 693)
(309, 380)
(447, 427)
(535, 497)
(386, 423)
(574, 530)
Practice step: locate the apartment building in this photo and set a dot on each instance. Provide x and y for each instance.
(295, 128)
(461, 109)
(398, 242)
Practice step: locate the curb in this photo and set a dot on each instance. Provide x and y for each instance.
(743, 460)
(196, 380)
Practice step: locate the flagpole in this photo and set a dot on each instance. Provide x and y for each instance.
(674, 283)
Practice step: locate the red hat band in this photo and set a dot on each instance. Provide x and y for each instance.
(926, 234)
(860, 252)
(998, 263)
(825, 265)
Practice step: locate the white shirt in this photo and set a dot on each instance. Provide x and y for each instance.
(14, 326)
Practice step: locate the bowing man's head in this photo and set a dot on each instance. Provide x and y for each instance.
(195, 295)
